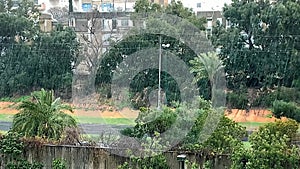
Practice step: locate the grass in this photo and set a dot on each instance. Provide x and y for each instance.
(85, 119)
(6, 117)
(252, 124)
(99, 120)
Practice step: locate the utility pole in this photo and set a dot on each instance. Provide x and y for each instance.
(113, 5)
(70, 6)
(159, 74)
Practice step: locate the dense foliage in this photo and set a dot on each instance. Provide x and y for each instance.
(146, 81)
(12, 149)
(261, 48)
(158, 161)
(286, 109)
(270, 148)
(43, 116)
(146, 126)
(31, 59)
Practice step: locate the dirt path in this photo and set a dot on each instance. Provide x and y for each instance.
(255, 115)
(104, 111)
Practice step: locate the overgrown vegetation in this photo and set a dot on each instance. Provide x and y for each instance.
(270, 148)
(12, 149)
(43, 116)
(286, 109)
(30, 58)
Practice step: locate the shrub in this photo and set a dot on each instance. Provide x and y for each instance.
(286, 109)
(59, 164)
(158, 161)
(24, 164)
(265, 100)
(12, 148)
(226, 137)
(270, 148)
(283, 93)
(238, 100)
(296, 83)
(151, 121)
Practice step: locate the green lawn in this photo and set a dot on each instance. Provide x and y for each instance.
(99, 120)
(6, 117)
(85, 119)
(252, 124)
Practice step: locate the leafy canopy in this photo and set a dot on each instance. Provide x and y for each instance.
(261, 48)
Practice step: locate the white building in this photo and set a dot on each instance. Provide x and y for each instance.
(209, 9)
(205, 5)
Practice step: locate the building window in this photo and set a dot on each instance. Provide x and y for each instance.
(199, 5)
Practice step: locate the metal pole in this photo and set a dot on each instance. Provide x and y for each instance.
(159, 74)
(125, 5)
(113, 5)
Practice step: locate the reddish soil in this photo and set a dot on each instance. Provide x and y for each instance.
(255, 115)
(105, 112)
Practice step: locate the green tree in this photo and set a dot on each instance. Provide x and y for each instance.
(260, 49)
(270, 148)
(150, 158)
(149, 38)
(207, 67)
(145, 6)
(176, 8)
(53, 56)
(43, 116)
(32, 59)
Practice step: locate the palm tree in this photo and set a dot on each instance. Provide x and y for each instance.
(209, 66)
(206, 65)
(43, 116)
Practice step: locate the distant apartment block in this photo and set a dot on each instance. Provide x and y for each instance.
(90, 5)
(212, 11)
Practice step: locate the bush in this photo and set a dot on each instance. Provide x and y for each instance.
(265, 100)
(286, 109)
(237, 100)
(59, 164)
(283, 93)
(158, 161)
(270, 148)
(296, 83)
(226, 137)
(12, 148)
(151, 121)
(24, 164)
